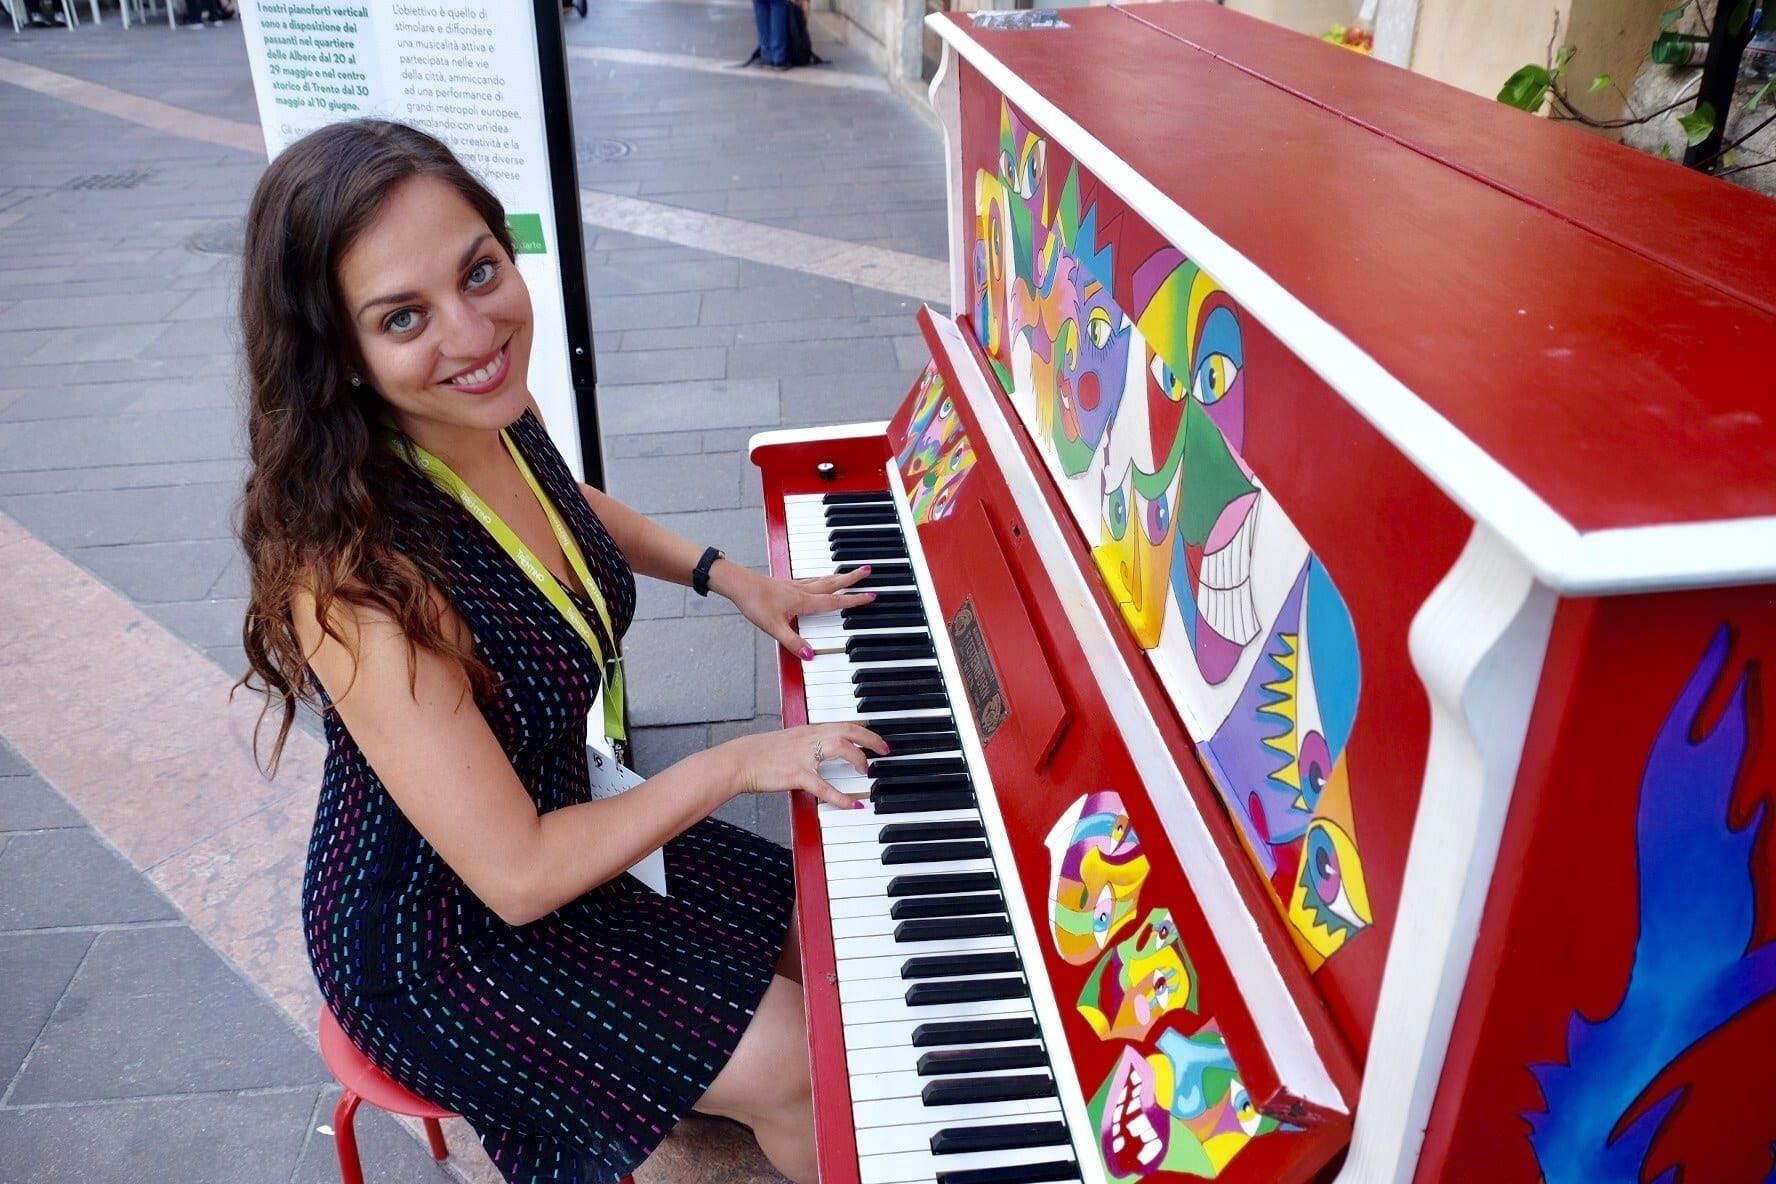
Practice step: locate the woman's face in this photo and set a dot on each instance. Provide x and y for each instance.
(441, 314)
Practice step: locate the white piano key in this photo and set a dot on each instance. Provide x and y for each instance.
(900, 1112)
(913, 1166)
(882, 1011)
(867, 820)
(853, 871)
(916, 1136)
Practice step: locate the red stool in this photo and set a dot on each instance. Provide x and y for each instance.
(364, 1082)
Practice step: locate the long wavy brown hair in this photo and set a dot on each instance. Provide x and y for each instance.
(324, 494)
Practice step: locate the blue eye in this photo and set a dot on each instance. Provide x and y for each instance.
(402, 320)
(482, 273)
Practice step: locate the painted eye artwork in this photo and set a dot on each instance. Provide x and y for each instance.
(1139, 981)
(1096, 869)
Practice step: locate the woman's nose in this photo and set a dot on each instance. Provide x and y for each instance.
(468, 332)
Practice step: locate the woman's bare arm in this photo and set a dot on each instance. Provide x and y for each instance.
(433, 750)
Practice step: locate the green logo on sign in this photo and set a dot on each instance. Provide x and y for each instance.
(527, 233)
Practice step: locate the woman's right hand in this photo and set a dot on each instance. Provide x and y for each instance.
(773, 762)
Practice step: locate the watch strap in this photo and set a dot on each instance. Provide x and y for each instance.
(700, 573)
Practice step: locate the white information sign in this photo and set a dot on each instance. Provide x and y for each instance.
(466, 73)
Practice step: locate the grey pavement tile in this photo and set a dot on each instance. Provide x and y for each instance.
(233, 582)
(122, 440)
(656, 310)
(649, 407)
(822, 328)
(872, 302)
(201, 337)
(654, 600)
(36, 968)
(669, 484)
(100, 518)
(187, 1023)
(651, 444)
(232, 661)
(740, 533)
(12, 764)
(824, 356)
(159, 573)
(861, 397)
(91, 343)
(693, 275)
(203, 623)
(388, 1152)
(657, 748)
(210, 1138)
(679, 337)
(118, 477)
(28, 802)
(64, 401)
(742, 811)
(662, 365)
(768, 672)
(114, 308)
(787, 298)
(56, 878)
(689, 670)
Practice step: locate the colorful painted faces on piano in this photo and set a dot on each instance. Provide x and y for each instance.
(429, 577)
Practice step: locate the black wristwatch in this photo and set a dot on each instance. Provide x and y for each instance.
(700, 573)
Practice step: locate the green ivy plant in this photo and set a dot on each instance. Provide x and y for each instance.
(1535, 86)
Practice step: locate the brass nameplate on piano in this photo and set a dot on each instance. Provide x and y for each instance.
(979, 678)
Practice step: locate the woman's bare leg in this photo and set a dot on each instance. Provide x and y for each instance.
(790, 964)
(765, 1084)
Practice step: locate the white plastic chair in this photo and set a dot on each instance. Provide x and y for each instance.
(15, 9)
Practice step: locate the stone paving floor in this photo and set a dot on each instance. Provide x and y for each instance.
(154, 1021)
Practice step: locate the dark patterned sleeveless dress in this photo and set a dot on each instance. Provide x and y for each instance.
(574, 1043)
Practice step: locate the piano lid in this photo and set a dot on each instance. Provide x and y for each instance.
(1585, 390)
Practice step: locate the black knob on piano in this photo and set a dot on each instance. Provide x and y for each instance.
(826, 470)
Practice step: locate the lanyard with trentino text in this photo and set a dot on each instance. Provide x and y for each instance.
(447, 480)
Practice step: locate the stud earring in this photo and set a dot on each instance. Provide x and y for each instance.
(356, 381)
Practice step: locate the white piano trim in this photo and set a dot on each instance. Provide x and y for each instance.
(1478, 644)
(1024, 927)
(844, 431)
(1684, 555)
(1279, 1022)
(946, 101)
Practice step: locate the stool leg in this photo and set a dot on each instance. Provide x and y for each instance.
(351, 1171)
(436, 1133)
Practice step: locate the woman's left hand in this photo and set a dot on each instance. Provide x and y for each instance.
(775, 605)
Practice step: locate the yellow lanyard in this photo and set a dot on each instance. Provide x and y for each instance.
(544, 579)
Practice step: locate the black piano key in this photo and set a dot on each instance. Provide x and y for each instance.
(870, 515)
(875, 676)
(957, 965)
(930, 832)
(960, 1140)
(936, 992)
(867, 551)
(900, 596)
(869, 649)
(864, 534)
(898, 682)
(888, 787)
(881, 704)
(945, 906)
(951, 928)
(949, 1061)
(869, 618)
(874, 611)
(917, 742)
(888, 729)
(1022, 1173)
(925, 803)
(884, 575)
(935, 852)
(891, 769)
(934, 883)
(1009, 1088)
(952, 1032)
(855, 497)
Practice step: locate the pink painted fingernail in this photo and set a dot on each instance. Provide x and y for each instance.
(865, 567)
(884, 749)
(807, 653)
(857, 805)
(871, 595)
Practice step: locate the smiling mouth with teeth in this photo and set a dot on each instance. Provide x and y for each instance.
(485, 376)
(1136, 1125)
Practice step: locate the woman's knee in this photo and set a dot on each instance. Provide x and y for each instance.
(769, 1069)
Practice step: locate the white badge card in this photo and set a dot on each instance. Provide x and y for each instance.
(611, 777)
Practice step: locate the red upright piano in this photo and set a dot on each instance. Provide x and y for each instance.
(1328, 579)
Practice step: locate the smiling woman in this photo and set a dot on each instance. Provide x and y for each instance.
(428, 576)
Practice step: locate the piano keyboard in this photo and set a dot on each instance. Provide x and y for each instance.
(950, 1079)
